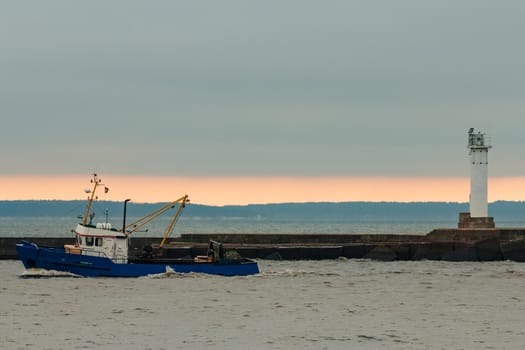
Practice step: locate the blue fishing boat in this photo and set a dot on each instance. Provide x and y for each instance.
(100, 250)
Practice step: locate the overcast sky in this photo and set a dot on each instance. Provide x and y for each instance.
(260, 88)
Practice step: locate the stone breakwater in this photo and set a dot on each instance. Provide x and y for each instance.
(440, 244)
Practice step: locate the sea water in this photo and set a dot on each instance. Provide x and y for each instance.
(330, 304)
(62, 226)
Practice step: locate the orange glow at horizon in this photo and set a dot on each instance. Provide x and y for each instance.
(258, 190)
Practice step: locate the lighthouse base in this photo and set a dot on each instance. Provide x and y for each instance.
(466, 221)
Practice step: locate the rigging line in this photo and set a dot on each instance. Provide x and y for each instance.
(75, 208)
(98, 208)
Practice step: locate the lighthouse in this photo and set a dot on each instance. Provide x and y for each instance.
(478, 145)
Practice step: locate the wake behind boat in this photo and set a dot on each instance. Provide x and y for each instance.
(100, 250)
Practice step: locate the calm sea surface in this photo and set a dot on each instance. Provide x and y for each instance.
(333, 304)
(338, 304)
(61, 226)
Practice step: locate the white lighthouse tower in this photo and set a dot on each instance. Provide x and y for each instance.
(478, 145)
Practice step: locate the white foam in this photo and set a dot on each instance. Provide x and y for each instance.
(36, 273)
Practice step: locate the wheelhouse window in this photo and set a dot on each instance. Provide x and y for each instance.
(98, 241)
(89, 240)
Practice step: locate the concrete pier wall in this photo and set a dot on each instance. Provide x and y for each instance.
(440, 244)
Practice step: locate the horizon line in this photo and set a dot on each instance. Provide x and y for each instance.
(270, 203)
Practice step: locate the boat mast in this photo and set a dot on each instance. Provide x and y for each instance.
(97, 182)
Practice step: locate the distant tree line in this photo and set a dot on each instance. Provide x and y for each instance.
(502, 210)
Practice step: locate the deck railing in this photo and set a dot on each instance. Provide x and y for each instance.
(122, 259)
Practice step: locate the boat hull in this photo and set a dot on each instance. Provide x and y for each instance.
(49, 258)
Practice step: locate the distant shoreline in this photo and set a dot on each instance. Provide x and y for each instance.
(502, 210)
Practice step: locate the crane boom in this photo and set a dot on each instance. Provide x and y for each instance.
(138, 224)
(173, 221)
